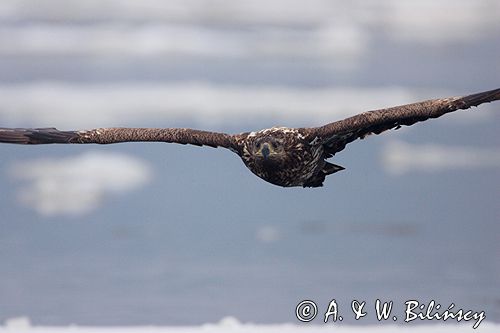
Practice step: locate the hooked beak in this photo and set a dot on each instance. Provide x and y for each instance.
(265, 151)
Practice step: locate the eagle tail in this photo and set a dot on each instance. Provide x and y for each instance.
(36, 135)
(330, 168)
(319, 178)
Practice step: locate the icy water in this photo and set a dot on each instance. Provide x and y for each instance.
(161, 234)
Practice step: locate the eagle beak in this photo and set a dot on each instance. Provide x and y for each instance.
(265, 151)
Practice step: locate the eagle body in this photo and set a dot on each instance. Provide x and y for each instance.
(292, 159)
(280, 155)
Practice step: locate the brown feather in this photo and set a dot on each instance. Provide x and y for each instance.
(116, 135)
(292, 157)
(335, 136)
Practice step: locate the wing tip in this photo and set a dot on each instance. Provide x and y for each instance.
(13, 135)
(480, 98)
(36, 135)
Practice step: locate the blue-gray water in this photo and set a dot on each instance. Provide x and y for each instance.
(206, 238)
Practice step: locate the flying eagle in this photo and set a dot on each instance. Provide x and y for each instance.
(280, 155)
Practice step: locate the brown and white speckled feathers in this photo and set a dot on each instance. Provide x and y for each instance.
(291, 161)
(117, 135)
(335, 136)
(280, 155)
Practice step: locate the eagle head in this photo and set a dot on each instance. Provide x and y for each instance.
(282, 156)
(273, 154)
(268, 150)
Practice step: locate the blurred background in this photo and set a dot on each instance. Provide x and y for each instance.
(135, 234)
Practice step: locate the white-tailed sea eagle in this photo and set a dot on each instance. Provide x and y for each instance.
(280, 155)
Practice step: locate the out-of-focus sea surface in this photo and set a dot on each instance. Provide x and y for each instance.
(140, 234)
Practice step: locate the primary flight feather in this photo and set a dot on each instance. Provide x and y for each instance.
(280, 155)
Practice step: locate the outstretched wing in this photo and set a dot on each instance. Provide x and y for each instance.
(335, 136)
(116, 135)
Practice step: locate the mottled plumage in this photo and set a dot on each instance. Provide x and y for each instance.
(280, 155)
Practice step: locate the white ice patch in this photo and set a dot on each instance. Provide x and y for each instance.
(335, 25)
(438, 22)
(233, 325)
(400, 157)
(342, 43)
(80, 106)
(268, 234)
(79, 184)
